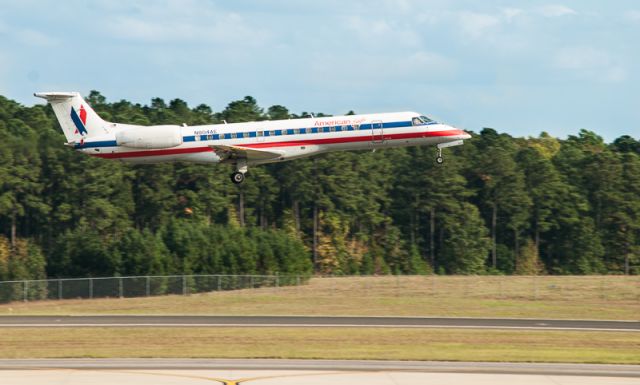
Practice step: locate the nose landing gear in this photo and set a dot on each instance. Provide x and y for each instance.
(439, 158)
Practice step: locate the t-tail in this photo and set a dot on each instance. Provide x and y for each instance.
(77, 119)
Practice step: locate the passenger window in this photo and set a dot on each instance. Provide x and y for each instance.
(233, 135)
(260, 133)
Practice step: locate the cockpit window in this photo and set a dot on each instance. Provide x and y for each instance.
(420, 120)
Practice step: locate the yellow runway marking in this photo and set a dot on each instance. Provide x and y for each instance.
(237, 381)
(223, 381)
(220, 380)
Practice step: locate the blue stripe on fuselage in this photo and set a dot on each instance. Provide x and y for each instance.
(102, 143)
(191, 138)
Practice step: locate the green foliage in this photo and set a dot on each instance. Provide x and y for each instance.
(467, 242)
(498, 205)
(22, 261)
(529, 262)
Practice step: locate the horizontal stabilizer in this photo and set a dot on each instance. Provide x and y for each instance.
(50, 96)
(250, 154)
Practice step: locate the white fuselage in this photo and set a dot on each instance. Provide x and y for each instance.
(294, 138)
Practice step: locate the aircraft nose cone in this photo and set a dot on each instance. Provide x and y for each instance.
(466, 136)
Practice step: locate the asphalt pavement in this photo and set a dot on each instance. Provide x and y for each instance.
(313, 321)
(321, 365)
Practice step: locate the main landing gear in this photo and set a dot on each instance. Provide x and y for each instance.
(241, 168)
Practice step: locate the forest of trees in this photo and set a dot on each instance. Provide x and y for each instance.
(499, 205)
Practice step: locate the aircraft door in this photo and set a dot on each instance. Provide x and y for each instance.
(377, 132)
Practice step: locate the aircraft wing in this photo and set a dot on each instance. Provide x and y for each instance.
(250, 154)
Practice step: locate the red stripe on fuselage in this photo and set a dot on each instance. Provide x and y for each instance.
(353, 139)
(299, 142)
(137, 154)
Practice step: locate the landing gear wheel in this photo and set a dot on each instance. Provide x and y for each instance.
(237, 177)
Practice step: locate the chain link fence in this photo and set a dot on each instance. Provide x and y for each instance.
(139, 286)
(536, 288)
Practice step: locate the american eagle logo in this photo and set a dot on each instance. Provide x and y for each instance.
(80, 120)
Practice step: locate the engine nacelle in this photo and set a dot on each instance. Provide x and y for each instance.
(150, 137)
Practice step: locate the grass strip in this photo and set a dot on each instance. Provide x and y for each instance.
(325, 343)
(570, 297)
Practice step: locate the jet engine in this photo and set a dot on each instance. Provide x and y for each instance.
(155, 137)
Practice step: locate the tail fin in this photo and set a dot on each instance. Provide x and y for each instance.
(77, 119)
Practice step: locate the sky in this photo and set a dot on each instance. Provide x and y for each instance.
(521, 67)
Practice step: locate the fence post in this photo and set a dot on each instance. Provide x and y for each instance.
(90, 288)
(184, 285)
(297, 280)
(219, 283)
(120, 287)
(147, 288)
(535, 288)
(25, 291)
(277, 280)
(59, 289)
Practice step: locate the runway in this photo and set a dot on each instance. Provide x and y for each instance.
(313, 321)
(309, 372)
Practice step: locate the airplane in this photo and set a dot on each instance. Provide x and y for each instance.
(243, 144)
